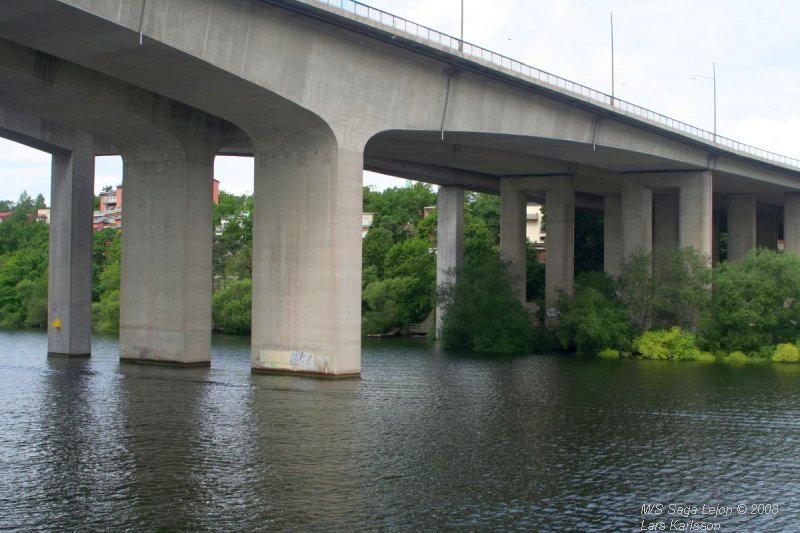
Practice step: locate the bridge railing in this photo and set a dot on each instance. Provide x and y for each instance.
(467, 50)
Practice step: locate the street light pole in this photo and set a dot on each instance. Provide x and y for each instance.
(714, 74)
(612, 59)
(461, 41)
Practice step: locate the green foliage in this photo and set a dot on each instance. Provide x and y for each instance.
(673, 343)
(755, 302)
(593, 319)
(609, 353)
(105, 313)
(232, 251)
(375, 246)
(534, 276)
(483, 315)
(486, 208)
(735, 357)
(23, 272)
(399, 209)
(786, 353)
(666, 288)
(231, 308)
(390, 304)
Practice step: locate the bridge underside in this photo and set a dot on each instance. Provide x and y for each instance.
(316, 103)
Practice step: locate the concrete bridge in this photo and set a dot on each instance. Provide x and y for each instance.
(318, 92)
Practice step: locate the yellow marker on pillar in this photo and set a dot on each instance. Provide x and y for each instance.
(57, 323)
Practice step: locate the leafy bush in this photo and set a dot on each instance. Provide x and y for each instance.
(786, 353)
(105, 313)
(755, 302)
(673, 343)
(593, 319)
(231, 308)
(736, 357)
(666, 288)
(390, 304)
(608, 353)
(483, 315)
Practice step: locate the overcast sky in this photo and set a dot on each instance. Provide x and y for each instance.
(662, 48)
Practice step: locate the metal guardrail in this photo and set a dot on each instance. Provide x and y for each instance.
(468, 50)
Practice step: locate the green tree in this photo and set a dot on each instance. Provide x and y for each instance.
(666, 288)
(232, 307)
(755, 302)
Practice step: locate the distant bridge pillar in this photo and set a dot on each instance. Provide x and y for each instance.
(449, 240)
(637, 217)
(560, 244)
(69, 313)
(612, 235)
(767, 229)
(791, 222)
(665, 222)
(307, 260)
(696, 211)
(741, 225)
(513, 242)
(165, 302)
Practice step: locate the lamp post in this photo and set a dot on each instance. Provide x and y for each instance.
(713, 78)
(461, 40)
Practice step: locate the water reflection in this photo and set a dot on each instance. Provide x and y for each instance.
(424, 441)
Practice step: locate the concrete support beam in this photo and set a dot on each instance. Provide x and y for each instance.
(696, 211)
(741, 225)
(69, 314)
(715, 236)
(513, 242)
(637, 217)
(560, 262)
(449, 241)
(665, 222)
(791, 222)
(612, 236)
(767, 230)
(165, 311)
(307, 261)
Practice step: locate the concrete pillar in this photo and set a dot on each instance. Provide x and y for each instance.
(741, 225)
(449, 240)
(696, 211)
(513, 242)
(307, 261)
(767, 230)
(637, 217)
(791, 222)
(165, 302)
(715, 235)
(69, 316)
(612, 235)
(560, 262)
(665, 222)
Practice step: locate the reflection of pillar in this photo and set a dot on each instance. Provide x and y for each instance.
(70, 277)
(665, 222)
(767, 230)
(307, 260)
(696, 211)
(513, 245)
(560, 261)
(165, 311)
(741, 225)
(791, 222)
(449, 240)
(612, 235)
(637, 217)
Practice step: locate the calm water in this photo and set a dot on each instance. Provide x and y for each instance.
(424, 441)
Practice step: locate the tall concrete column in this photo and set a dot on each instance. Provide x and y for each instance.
(696, 211)
(741, 225)
(767, 230)
(612, 235)
(69, 314)
(307, 261)
(637, 217)
(449, 240)
(513, 242)
(165, 302)
(665, 222)
(791, 222)
(560, 262)
(715, 235)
